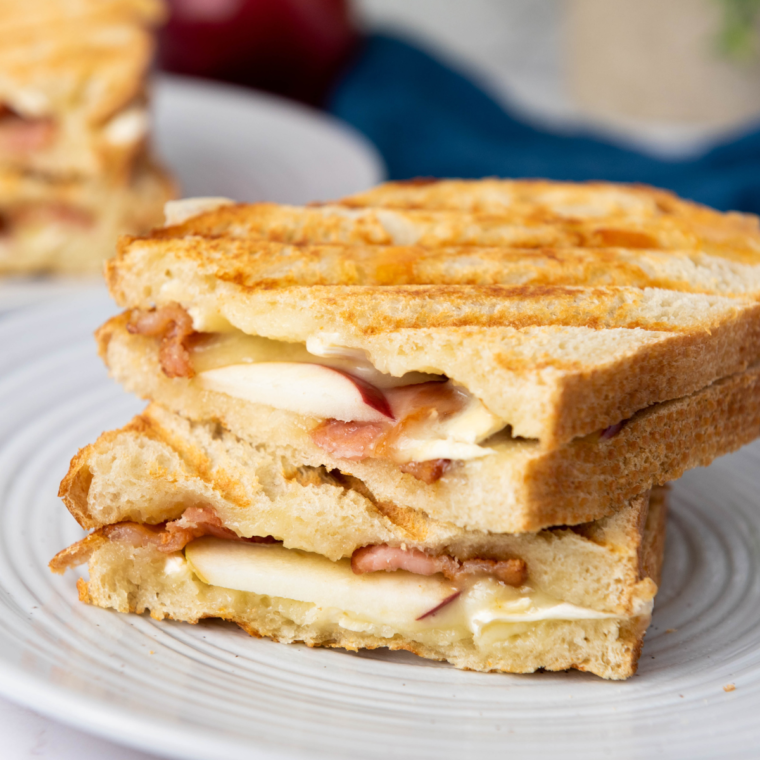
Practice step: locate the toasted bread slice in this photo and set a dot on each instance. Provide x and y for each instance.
(159, 465)
(521, 487)
(540, 198)
(72, 94)
(70, 226)
(263, 263)
(555, 362)
(687, 227)
(602, 213)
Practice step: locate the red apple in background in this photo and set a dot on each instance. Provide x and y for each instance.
(292, 47)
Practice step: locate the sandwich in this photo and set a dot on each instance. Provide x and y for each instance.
(68, 226)
(393, 393)
(73, 101)
(75, 163)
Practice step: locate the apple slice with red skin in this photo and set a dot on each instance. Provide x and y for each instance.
(309, 389)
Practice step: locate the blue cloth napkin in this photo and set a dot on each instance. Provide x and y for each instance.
(427, 120)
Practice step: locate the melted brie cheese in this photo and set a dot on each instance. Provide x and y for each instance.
(455, 437)
(127, 127)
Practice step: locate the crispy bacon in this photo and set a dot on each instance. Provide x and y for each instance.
(194, 523)
(348, 440)
(22, 136)
(51, 213)
(372, 559)
(177, 534)
(175, 327)
(135, 534)
(411, 405)
(428, 472)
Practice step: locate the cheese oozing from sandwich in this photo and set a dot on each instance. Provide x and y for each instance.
(479, 608)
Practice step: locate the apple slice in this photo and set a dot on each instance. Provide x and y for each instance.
(399, 597)
(309, 389)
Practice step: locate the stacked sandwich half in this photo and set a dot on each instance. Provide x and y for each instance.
(75, 169)
(435, 417)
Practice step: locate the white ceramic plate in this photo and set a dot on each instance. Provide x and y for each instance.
(226, 141)
(210, 691)
(250, 146)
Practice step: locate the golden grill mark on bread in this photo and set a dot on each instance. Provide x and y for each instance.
(264, 264)
(733, 236)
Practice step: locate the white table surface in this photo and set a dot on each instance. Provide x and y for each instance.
(25, 734)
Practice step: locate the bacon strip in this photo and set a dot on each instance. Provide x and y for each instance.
(428, 472)
(21, 136)
(348, 440)
(51, 213)
(411, 405)
(194, 523)
(174, 326)
(372, 559)
(166, 537)
(177, 534)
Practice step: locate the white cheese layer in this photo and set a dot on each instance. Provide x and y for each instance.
(400, 599)
(455, 437)
(127, 127)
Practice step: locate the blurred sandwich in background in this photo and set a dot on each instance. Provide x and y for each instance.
(75, 165)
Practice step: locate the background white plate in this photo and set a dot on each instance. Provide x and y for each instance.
(210, 691)
(227, 141)
(251, 146)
